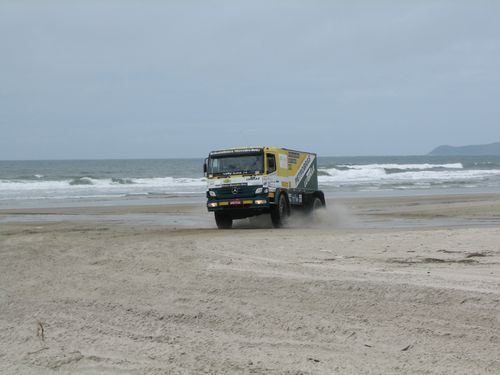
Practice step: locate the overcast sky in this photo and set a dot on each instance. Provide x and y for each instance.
(156, 79)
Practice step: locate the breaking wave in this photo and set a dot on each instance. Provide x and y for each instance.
(406, 176)
(91, 187)
(109, 179)
(81, 181)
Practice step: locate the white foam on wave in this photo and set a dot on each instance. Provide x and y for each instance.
(91, 187)
(88, 181)
(379, 174)
(403, 166)
(171, 181)
(373, 172)
(352, 174)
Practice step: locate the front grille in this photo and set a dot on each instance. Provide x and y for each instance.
(242, 192)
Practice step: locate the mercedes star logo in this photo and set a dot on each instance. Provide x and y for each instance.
(235, 190)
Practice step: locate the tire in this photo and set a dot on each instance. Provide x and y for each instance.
(317, 204)
(280, 212)
(315, 208)
(223, 221)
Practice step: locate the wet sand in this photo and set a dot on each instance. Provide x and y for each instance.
(407, 285)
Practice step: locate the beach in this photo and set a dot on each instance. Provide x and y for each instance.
(376, 285)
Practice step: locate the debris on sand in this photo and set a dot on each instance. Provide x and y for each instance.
(313, 359)
(473, 255)
(406, 347)
(428, 260)
(40, 331)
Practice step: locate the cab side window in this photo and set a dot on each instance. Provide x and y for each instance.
(271, 163)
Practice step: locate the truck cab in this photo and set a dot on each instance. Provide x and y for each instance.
(249, 181)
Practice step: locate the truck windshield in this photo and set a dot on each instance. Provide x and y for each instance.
(236, 164)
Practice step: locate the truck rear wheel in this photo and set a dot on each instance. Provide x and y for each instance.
(315, 207)
(317, 204)
(280, 212)
(223, 221)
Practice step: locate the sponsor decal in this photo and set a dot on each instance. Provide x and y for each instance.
(254, 180)
(236, 151)
(309, 174)
(283, 161)
(303, 169)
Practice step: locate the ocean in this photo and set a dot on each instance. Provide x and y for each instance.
(102, 182)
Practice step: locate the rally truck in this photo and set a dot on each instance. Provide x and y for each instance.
(249, 181)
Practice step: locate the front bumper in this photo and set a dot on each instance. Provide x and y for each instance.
(240, 208)
(238, 204)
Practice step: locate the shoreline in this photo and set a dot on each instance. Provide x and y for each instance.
(481, 209)
(199, 197)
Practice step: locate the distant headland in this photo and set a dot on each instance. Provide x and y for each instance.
(489, 149)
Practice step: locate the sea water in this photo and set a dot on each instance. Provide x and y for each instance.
(102, 182)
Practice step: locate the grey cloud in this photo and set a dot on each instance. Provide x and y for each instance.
(166, 79)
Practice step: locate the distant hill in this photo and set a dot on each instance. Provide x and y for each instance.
(489, 149)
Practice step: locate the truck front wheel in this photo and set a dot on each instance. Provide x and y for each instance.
(280, 212)
(223, 221)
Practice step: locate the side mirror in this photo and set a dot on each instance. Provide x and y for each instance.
(205, 168)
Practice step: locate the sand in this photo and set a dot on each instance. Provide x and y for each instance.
(379, 286)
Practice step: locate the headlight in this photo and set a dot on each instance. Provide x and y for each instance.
(212, 204)
(261, 190)
(212, 193)
(260, 201)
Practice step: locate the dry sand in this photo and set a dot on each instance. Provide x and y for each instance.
(380, 286)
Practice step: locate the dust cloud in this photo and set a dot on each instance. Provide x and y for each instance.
(334, 216)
